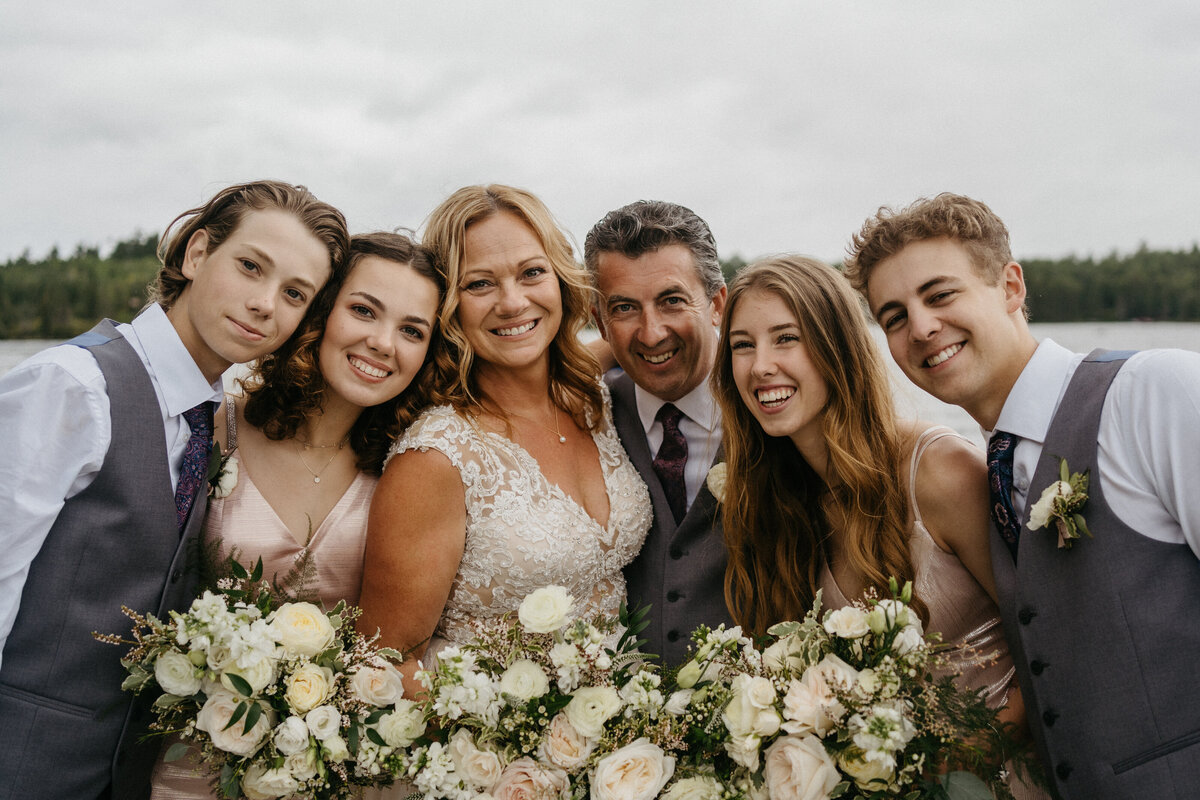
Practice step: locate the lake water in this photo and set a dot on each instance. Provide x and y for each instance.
(911, 401)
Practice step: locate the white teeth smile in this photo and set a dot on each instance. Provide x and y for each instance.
(659, 359)
(774, 397)
(363, 366)
(934, 360)
(528, 326)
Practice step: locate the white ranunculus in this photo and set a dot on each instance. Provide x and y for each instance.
(291, 736)
(1040, 514)
(563, 746)
(176, 674)
(751, 710)
(700, 787)
(403, 725)
(677, 703)
(260, 675)
(214, 716)
(323, 721)
(846, 623)
(303, 629)
(378, 685)
(480, 768)
(638, 771)
(307, 687)
(591, 707)
(525, 779)
(524, 680)
(546, 610)
(260, 783)
(302, 765)
(868, 774)
(798, 768)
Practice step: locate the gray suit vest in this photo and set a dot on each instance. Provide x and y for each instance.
(680, 572)
(66, 728)
(1106, 635)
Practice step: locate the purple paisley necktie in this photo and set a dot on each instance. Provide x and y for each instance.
(1000, 481)
(671, 458)
(193, 473)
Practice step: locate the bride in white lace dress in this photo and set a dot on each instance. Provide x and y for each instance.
(519, 479)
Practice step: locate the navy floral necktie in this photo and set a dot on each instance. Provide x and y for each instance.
(193, 473)
(670, 461)
(1000, 481)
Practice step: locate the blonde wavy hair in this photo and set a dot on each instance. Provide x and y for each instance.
(776, 508)
(573, 369)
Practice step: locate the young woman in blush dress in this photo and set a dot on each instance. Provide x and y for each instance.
(518, 479)
(828, 490)
(310, 433)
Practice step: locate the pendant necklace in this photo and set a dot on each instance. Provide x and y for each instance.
(557, 432)
(316, 476)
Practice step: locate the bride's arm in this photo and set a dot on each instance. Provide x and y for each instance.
(415, 537)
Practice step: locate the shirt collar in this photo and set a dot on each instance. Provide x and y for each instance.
(698, 405)
(181, 382)
(1031, 403)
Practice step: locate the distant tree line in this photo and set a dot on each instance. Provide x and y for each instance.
(60, 296)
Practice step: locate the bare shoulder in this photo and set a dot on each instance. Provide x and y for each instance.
(420, 478)
(952, 490)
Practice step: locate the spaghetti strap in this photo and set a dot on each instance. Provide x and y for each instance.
(927, 437)
(230, 424)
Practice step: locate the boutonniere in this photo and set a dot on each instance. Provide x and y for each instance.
(715, 481)
(1061, 503)
(222, 472)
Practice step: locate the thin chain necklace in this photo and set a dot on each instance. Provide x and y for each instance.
(316, 476)
(561, 439)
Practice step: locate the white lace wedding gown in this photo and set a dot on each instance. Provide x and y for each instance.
(524, 532)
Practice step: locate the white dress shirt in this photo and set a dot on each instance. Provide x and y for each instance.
(700, 426)
(56, 429)
(1149, 438)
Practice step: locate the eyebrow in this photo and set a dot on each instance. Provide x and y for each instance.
(922, 289)
(265, 258)
(414, 318)
(773, 329)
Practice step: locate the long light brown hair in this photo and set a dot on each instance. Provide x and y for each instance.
(776, 507)
(573, 369)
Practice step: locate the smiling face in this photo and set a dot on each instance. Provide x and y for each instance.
(248, 295)
(658, 321)
(952, 333)
(773, 373)
(377, 334)
(509, 300)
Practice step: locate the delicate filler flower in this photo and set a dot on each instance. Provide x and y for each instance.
(1060, 505)
(716, 480)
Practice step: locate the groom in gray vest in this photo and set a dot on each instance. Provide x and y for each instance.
(1104, 629)
(661, 296)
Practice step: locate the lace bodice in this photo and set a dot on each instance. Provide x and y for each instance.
(524, 532)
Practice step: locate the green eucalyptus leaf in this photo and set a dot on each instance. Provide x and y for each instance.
(374, 736)
(241, 684)
(252, 717)
(176, 751)
(238, 713)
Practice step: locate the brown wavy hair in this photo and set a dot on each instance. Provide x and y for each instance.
(220, 217)
(286, 387)
(775, 509)
(573, 369)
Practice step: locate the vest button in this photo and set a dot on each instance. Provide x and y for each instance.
(672, 596)
(176, 575)
(1038, 667)
(676, 554)
(1026, 616)
(1063, 770)
(672, 636)
(1049, 716)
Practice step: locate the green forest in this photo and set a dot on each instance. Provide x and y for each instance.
(60, 296)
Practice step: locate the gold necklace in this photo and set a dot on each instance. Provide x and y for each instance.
(561, 439)
(316, 476)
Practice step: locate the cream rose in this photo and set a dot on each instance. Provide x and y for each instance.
(809, 706)
(260, 783)
(563, 746)
(524, 680)
(869, 775)
(638, 771)
(302, 765)
(403, 725)
(323, 722)
(751, 711)
(546, 610)
(291, 736)
(215, 715)
(525, 779)
(480, 768)
(716, 479)
(697, 788)
(260, 675)
(176, 674)
(846, 623)
(837, 673)
(302, 628)
(308, 687)
(380, 686)
(591, 707)
(1042, 510)
(798, 768)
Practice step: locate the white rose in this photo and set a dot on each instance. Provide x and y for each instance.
(638, 771)
(546, 610)
(716, 479)
(302, 765)
(869, 775)
(525, 779)
(798, 768)
(215, 715)
(809, 706)
(308, 687)
(291, 736)
(563, 746)
(335, 749)
(837, 673)
(524, 680)
(220, 656)
(176, 674)
(591, 707)
(481, 768)
(1039, 515)
(847, 623)
(751, 711)
(696, 788)
(744, 750)
(302, 628)
(226, 480)
(379, 686)
(403, 725)
(677, 703)
(907, 641)
(260, 783)
(260, 675)
(323, 721)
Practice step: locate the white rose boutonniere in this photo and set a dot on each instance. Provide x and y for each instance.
(222, 472)
(1060, 505)
(716, 480)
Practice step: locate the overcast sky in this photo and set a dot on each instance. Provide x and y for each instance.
(784, 124)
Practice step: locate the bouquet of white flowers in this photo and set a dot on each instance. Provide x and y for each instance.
(843, 706)
(281, 699)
